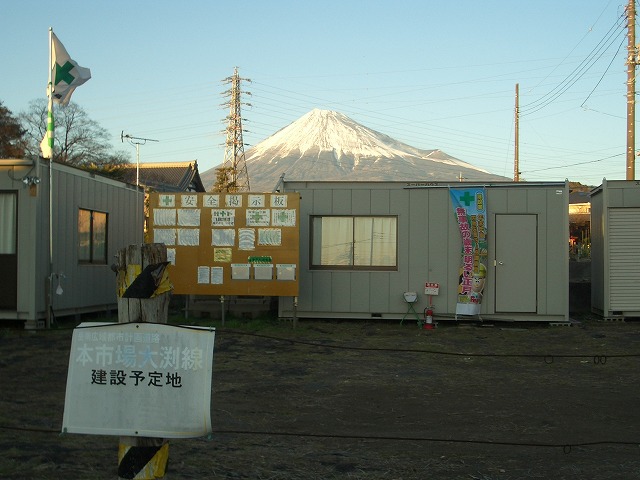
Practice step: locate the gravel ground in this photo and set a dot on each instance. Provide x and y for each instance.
(364, 400)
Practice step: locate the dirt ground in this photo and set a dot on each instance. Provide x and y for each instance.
(364, 400)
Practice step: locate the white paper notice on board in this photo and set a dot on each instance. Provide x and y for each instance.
(189, 237)
(164, 217)
(189, 217)
(217, 275)
(165, 235)
(171, 256)
(240, 271)
(139, 379)
(204, 274)
(263, 271)
(286, 271)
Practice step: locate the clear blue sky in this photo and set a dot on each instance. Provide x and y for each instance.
(433, 74)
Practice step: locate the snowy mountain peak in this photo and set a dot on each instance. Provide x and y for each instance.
(327, 145)
(326, 130)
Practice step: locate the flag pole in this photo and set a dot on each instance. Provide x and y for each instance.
(50, 140)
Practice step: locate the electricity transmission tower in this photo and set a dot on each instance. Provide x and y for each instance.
(232, 176)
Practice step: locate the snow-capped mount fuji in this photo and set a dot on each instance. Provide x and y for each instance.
(328, 145)
(328, 131)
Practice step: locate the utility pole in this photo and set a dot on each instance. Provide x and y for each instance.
(632, 61)
(516, 150)
(232, 176)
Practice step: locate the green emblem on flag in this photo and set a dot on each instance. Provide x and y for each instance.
(63, 73)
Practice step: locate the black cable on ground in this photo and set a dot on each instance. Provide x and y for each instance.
(548, 358)
(566, 447)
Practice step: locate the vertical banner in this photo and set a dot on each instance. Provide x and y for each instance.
(469, 206)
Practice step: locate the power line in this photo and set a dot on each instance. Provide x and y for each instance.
(576, 46)
(578, 72)
(576, 164)
(605, 72)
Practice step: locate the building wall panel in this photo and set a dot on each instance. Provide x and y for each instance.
(380, 201)
(631, 197)
(341, 202)
(82, 291)
(360, 288)
(341, 292)
(379, 289)
(624, 258)
(429, 247)
(516, 200)
(321, 292)
(615, 228)
(361, 202)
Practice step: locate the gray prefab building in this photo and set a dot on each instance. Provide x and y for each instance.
(411, 242)
(61, 267)
(615, 249)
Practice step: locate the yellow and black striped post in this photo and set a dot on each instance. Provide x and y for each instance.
(144, 289)
(139, 460)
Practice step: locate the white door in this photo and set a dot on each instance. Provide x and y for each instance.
(516, 263)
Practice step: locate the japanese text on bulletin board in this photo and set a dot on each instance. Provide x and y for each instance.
(228, 243)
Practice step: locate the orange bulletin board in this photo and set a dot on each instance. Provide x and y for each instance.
(228, 243)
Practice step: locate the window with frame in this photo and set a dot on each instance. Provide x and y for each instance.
(92, 237)
(354, 242)
(8, 223)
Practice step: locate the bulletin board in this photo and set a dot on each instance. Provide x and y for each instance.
(228, 243)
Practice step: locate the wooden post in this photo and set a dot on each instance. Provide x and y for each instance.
(295, 312)
(632, 62)
(222, 309)
(141, 457)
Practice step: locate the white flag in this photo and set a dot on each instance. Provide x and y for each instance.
(46, 146)
(45, 149)
(66, 74)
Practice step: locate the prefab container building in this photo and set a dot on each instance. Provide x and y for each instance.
(412, 233)
(615, 249)
(61, 267)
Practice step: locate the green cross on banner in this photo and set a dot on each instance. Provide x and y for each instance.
(63, 73)
(467, 198)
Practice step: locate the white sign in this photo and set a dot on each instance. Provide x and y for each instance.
(431, 288)
(139, 379)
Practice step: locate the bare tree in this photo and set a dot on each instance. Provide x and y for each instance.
(78, 140)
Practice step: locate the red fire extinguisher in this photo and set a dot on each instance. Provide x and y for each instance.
(428, 313)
